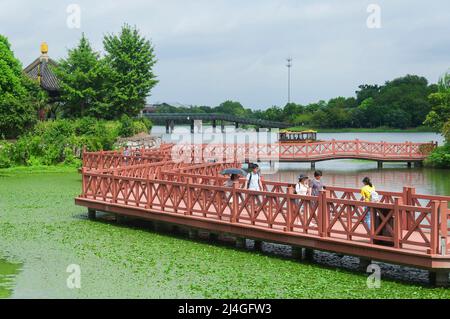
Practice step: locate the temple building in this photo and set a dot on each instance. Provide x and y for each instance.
(40, 70)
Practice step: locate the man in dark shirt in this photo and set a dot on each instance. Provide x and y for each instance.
(316, 184)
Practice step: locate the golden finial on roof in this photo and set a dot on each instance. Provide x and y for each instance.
(44, 48)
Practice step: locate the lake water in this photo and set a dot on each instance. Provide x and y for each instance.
(42, 232)
(348, 173)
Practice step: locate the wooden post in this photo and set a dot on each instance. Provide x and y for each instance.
(443, 212)
(102, 159)
(309, 254)
(363, 264)
(439, 277)
(91, 214)
(149, 193)
(240, 242)
(234, 210)
(397, 223)
(289, 221)
(83, 182)
(193, 233)
(323, 212)
(297, 252)
(114, 187)
(434, 237)
(189, 197)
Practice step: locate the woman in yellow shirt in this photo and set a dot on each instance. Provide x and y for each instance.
(366, 192)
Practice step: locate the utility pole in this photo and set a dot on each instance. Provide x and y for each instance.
(289, 65)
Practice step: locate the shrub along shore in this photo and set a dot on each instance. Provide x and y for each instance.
(61, 141)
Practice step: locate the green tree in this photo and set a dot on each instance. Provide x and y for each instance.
(290, 111)
(232, 108)
(18, 95)
(16, 116)
(410, 94)
(82, 80)
(131, 59)
(273, 113)
(367, 91)
(11, 77)
(439, 116)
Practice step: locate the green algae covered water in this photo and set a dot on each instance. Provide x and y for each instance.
(42, 233)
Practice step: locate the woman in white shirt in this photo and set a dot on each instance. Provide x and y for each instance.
(302, 187)
(254, 179)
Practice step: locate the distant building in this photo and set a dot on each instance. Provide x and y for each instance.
(40, 70)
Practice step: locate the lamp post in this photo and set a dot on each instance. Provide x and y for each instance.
(289, 65)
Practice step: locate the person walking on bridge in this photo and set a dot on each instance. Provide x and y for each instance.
(302, 187)
(316, 184)
(254, 179)
(368, 194)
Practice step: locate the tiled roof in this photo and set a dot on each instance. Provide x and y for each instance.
(41, 66)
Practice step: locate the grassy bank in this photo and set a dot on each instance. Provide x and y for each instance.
(364, 130)
(42, 230)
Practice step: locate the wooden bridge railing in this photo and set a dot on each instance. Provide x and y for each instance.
(198, 153)
(323, 215)
(304, 151)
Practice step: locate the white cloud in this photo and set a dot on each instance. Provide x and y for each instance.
(212, 50)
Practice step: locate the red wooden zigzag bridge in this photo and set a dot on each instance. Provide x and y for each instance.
(406, 228)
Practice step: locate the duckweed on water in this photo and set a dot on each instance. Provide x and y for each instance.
(41, 228)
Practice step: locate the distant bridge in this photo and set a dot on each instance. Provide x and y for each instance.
(310, 152)
(171, 118)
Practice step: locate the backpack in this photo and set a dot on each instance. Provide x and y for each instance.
(250, 179)
(374, 196)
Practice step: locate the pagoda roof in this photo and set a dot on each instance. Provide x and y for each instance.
(40, 70)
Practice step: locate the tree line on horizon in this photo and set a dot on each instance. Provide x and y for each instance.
(400, 103)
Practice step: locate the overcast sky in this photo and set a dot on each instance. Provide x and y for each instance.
(212, 50)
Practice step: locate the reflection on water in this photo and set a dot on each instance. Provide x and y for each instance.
(8, 273)
(349, 173)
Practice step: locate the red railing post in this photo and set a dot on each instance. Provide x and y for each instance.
(189, 196)
(149, 192)
(83, 182)
(434, 236)
(408, 199)
(289, 220)
(357, 146)
(234, 205)
(102, 160)
(322, 213)
(114, 182)
(443, 215)
(397, 223)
